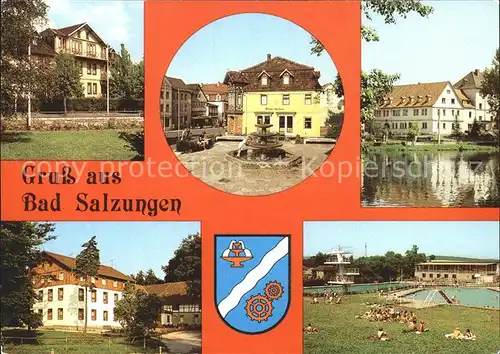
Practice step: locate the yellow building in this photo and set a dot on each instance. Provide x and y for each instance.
(89, 50)
(277, 91)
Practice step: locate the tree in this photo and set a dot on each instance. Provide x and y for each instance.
(87, 267)
(20, 20)
(413, 132)
(334, 124)
(376, 84)
(139, 277)
(490, 88)
(67, 78)
(455, 128)
(127, 78)
(185, 265)
(151, 278)
(137, 311)
(20, 252)
(412, 257)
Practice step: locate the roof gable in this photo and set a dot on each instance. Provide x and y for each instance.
(277, 64)
(414, 95)
(177, 83)
(70, 30)
(472, 80)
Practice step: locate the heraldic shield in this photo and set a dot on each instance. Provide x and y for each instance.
(252, 280)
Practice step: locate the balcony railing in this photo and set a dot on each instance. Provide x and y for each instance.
(83, 53)
(351, 271)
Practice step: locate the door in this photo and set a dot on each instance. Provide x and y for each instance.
(286, 125)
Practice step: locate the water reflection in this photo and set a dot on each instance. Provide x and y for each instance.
(431, 179)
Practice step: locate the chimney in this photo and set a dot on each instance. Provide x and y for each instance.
(476, 72)
(269, 57)
(218, 83)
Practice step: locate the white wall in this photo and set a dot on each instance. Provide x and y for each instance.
(70, 306)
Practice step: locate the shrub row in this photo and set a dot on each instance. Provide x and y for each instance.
(82, 105)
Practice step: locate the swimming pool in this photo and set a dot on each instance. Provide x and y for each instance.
(478, 297)
(355, 288)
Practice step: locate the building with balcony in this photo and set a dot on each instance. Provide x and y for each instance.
(454, 270)
(62, 294)
(179, 307)
(216, 94)
(91, 53)
(277, 91)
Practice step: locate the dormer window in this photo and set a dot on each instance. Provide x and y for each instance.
(263, 80)
(286, 79)
(217, 98)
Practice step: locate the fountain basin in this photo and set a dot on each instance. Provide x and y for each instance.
(276, 158)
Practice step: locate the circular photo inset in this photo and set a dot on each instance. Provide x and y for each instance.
(249, 107)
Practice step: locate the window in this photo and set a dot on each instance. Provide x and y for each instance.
(444, 125)
(443, 100)
(423, 275)
(307, 123)
(394, 125)
(424, 111)
(424, 125)
(60, 294)
(189, 308)
(89, 69)
(470, 114)
(116, 298)
(308, 98)
(105, 297)
(452, 112)
(240, 99)
(263, 100)
(480, 106)
(103, 282)
(93, 315)
(49, 314)
(59, 314)
(448, 92)
(87, 36)
(263, 80)
(286, 100)
(409, 125)
(480, 118)
(40, 295)
(168, 308)
(454, 276)
(61, 276)
(81, 316)
(446, 276)
(93, 296)
(386, 113)
(94, 88)
(438, 275)
(286, 79)
(415, 112)
(81, 294)
(89, 88)
(402, 125)
(377, 113)
(396, 112)
(405, 112)
(217, 98)
(452, 100)
(431, 275)
(444, 112)
(105, 315)
(50, 294)
(181, 318)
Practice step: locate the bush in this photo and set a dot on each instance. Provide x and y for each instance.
(86, 104)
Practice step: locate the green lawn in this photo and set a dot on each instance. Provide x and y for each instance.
(66, 145)
(68, 342)
(340, 332)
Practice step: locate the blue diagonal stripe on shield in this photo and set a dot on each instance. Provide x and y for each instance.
(252, 280)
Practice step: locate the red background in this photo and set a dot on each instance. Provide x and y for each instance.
(167, 25)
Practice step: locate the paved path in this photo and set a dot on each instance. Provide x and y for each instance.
(183, 342)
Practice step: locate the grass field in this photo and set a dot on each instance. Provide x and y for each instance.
(65, 145)
(341, 332)
(66, 342)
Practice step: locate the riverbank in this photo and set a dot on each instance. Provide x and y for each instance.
(446, 146)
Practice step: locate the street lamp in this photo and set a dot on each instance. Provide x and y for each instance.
(29, 85)
(107, 80)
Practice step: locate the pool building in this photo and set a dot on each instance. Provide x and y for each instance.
(454, 270)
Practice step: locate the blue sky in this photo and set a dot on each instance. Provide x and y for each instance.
(128, 246)
(462, 239)
(115, 21)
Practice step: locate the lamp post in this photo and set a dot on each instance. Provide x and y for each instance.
(439, 126)
(29, 86)
(107, 80)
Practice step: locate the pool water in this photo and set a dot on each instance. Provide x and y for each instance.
(478, 297)
(355, 288)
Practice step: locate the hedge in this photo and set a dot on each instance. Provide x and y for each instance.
(81, 105)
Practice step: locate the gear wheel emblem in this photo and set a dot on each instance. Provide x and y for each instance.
(259, 308)
(273, 290)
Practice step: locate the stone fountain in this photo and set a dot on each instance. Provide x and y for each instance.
(265, 150)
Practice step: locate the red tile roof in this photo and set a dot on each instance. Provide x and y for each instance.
(104, 271)
(424, 95)
(39, 47)
(176, 292)
(470, 81)
(66, 31)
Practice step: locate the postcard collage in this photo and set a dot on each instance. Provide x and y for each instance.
(249, 177)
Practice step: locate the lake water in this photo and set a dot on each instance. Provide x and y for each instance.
(478, 297)
(355, 288)
(431, 179)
